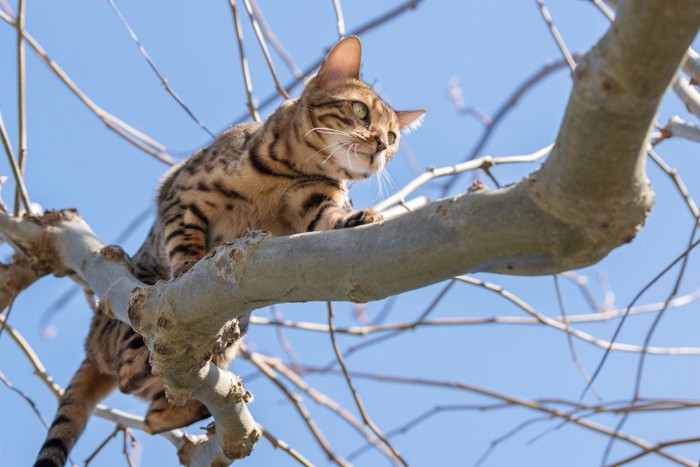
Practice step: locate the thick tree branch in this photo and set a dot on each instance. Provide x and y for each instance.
(590, 196)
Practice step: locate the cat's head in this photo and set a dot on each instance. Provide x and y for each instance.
(353, 131)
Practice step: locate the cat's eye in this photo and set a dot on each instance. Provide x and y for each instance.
(391, 137)
(360, 110)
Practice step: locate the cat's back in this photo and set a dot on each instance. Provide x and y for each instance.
(233, 141)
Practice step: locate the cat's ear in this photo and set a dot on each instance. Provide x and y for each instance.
(410, 120)
(342, 62)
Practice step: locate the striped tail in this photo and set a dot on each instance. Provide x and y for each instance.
(87, 388)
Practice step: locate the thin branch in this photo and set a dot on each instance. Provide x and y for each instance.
(358, 401)
(104, 443)
(296, 401)
(676, 126)
(678, 182)
(263, 46)
(570, 341)
(21, 99)
(275, 43)
(604, 9)
(323, 400)
(153, 66)
(687, 94)
(692, 66)
(27, 399)
(654, 449)
(511, 400)
(647, 340)
(547, 17)
(284, 342)
(16, 171)
(244, 62)
(510, 102)
(611, 313)
(631, 304)
(281, 444)
(480, 163)
(134, 136)
(340, 19)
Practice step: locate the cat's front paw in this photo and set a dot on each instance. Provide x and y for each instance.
(366, 216)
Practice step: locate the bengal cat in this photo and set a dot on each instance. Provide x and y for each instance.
(286, 175)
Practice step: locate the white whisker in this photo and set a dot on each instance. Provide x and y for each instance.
(329, 155)
(341, 143)
(328, 131)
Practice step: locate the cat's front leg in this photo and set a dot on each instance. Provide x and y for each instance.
(185, 231)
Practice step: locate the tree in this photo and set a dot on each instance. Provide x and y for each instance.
(590, 196)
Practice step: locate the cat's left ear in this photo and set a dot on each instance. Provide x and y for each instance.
(410, 120)
(342, 62)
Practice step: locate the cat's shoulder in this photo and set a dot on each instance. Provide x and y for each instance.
(238, 135)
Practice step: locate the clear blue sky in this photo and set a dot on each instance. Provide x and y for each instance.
(74, 161)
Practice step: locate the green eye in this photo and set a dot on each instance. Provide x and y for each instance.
(360, 110)
(391, 137)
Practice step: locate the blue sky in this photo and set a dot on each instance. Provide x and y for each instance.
(75, 161)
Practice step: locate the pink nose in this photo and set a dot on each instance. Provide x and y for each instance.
(381, 144)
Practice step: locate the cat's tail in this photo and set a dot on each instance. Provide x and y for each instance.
(87, 388)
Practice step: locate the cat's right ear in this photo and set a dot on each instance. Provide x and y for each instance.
(341, 63)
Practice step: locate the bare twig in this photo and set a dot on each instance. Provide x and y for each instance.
(569, 339)
(26, 397)
(296, 401)
(653, 449)
(631, 304)
(284, 342)
(511, 400)
(104, 443)
(547, 17)
(676, 126)
(21, 99)
(275, 43)
(281, 444)
(340, 19)
(153, 66)
(492, 123)
(323, 399)
(134, 136)
(263, 46)
(252, 110)
(692, 66)
(689, 96)
(16, 171)
(480, 163)
(647, 339)
(358, 401)
(678, 182)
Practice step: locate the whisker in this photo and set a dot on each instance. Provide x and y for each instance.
(326, 147)
(354, 148)
(329, 131)
(329, 155)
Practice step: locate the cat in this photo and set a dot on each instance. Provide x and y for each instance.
(286, 175)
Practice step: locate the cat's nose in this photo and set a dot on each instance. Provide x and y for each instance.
(381, 143)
